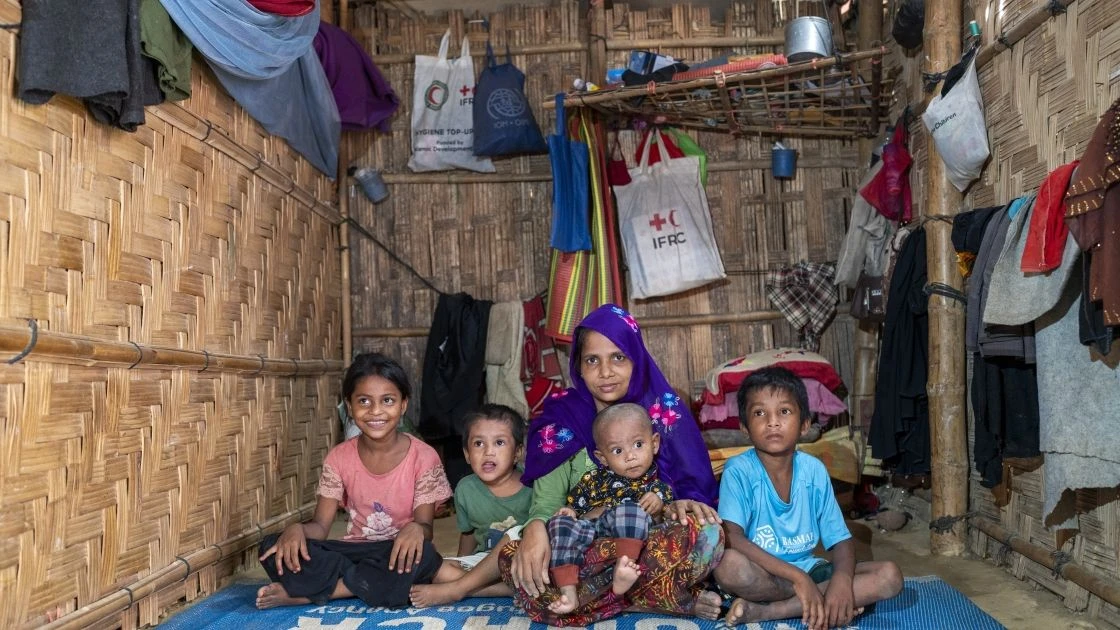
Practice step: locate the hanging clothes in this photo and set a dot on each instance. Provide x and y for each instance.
(806, 296)
(267, 64)
(1093, 212)
(1078, 397)
(899, 433)
(284, 8)
(1046, 239)
(505, 336)
(968, 236)
(454, 363)
(91, 51)
(865, 244)
(364, 98)
(164, 44)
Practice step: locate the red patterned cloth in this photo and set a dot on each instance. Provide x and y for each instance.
(726, 378)
(539, 357)
(675, 562)
(286, 8)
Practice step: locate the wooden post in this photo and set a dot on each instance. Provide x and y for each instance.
(946, 387)
(597, 43)
(344, 229)
(866, 333)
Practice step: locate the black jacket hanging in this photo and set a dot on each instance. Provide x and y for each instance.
(453, 365)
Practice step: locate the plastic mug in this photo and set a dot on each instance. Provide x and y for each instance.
(372, 184)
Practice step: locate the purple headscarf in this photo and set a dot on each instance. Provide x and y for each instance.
(564, 427)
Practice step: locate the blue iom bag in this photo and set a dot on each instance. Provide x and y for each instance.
(571, 192)
(503, 120)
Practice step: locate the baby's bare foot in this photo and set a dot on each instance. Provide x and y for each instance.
(273, 595)
(626, 572)
(567, 601)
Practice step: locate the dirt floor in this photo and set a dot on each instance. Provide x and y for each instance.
(1014, 603)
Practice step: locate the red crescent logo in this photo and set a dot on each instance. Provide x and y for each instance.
(673, 219)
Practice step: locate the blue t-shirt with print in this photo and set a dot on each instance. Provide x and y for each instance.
(790, 530)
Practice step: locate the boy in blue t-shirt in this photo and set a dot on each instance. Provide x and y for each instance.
(777, 504)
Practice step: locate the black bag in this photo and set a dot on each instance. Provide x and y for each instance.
(909, 22)
(503, 120)
(867, 299)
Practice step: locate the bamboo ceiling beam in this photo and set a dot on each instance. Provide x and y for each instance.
(51, 347)
(611, 44)
(945, 385)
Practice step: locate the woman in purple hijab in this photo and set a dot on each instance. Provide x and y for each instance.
(609, 364)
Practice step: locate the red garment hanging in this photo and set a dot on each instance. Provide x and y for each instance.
(889, 191)
(286, 8)
(1046, 236)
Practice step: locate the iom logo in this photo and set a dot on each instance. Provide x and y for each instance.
(505, 103)
(765, 538)
(435, 96)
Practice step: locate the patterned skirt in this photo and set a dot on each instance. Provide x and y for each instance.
(675, 562)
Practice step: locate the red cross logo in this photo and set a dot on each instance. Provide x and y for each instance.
(465, 90)
(656, 222)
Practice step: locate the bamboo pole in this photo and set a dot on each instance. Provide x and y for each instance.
(597, 33)
(480, 51)
(866, 340)
(405, 179)
(1101, 586)
(178, 571)
(624, 93)
(664, 321)
(698, 42)
(945, 387)
(52, 347)
(1041, 14)
(344, 228)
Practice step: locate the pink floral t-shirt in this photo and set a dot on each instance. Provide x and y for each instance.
(380, 505)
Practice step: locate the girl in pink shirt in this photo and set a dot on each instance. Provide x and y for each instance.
(390, 484)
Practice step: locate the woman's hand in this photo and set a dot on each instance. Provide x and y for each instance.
(407, 548)
(703, 514)
(289, 548)
(529, 568)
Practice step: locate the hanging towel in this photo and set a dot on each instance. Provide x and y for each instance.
(285, 8)
(163, 43)
(504, 338)
(269, 67)
(90, 50)
(364, 98)
(1078, 394)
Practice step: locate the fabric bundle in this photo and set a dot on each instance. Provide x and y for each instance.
(806, 296)
(168, 48)
(285, 8)
(365, 100)
(269, 67)
(90, 51)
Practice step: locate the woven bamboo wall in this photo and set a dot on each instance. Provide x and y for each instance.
(1042, 101)
(210, 246)
(491, 239)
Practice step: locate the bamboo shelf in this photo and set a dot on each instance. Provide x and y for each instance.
(825, 97)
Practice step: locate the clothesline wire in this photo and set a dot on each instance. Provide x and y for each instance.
(400, 261)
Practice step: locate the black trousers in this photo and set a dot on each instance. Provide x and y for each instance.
(362, 566)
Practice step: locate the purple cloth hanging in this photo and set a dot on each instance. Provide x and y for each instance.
(365, 99)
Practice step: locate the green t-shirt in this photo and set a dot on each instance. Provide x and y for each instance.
(478, 510)
(550, 492)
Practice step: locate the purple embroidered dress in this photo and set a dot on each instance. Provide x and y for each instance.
(564, 427)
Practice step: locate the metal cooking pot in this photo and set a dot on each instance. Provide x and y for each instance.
(808, 38)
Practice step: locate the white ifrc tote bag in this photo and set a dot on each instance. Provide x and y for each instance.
(666, 227)
(443, 113)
